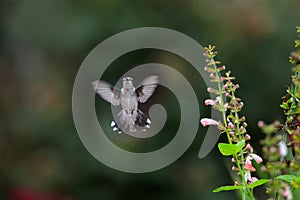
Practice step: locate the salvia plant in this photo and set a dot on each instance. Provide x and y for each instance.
(281, 146)
(280, 167)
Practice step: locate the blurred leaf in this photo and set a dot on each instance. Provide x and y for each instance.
(287, 177)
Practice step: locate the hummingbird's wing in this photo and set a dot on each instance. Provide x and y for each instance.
(146, 88)
(107, 92)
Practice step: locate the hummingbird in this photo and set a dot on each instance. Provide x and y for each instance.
(130, 118)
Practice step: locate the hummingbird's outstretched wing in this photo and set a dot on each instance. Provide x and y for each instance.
(107, 92)
(146, 88)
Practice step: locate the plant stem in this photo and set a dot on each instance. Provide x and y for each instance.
(246, 189)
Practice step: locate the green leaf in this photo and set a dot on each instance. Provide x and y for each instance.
(258, 183)
(228, 188)
(286, 177)
(297, 43)
(296, 193)
(231, 149)
(239, 187)
(284, 106)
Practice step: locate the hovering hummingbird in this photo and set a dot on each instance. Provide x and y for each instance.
(130, 117)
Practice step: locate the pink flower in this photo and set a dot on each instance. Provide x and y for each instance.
(260, 123)
(234, 168)
(253, 179)
(230, 125)
(257, 158)
(250, 179)
(222, 67)
(247, 137)
(248, 146)
(248, 164)
(211, 90)
(208, 69)
(231, 132)
(263, 168)
(248, 176)
(209, 102)
(287, 193)
(242, 128)
(207, 122)
(273, 149)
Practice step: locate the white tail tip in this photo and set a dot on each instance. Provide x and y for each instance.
(112, 124)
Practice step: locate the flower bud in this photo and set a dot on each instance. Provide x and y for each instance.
(207, 122)
(234, 168)
(209, 102)
(247, 137)
(260, 123)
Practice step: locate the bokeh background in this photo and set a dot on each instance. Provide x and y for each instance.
(42, 45)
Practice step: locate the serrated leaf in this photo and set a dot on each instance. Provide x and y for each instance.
(231, 149)
(286, 177)
(258, 183)
(228, 188)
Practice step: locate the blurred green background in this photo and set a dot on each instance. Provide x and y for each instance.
(42, 45)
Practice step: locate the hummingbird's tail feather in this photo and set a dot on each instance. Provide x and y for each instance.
(136, 120)
(119, 123)
(142, 119)
(115, 127)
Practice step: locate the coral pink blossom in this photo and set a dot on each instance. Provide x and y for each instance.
(207, 122)
(248, 164)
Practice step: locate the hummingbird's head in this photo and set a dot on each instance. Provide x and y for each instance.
(127, 83)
